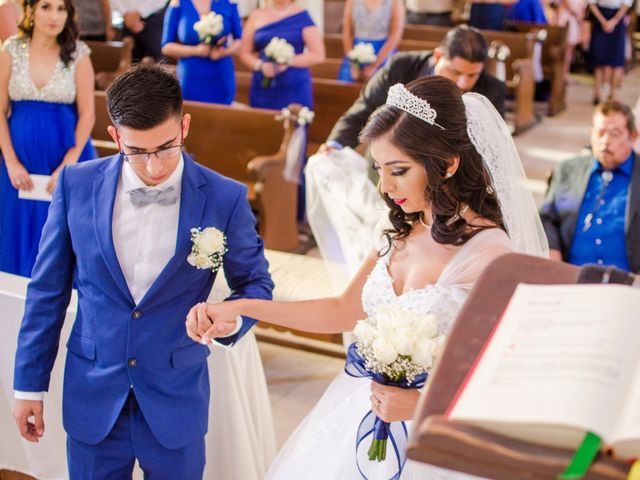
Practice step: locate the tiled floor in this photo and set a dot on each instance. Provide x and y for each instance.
(296, 379)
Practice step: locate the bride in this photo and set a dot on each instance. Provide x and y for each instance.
(457, 199)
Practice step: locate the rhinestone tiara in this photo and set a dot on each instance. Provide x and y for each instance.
(400, 97)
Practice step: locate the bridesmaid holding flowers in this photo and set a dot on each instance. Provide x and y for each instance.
(290, 81)
(202, 35)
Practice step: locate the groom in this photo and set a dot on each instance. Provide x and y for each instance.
(135, 387)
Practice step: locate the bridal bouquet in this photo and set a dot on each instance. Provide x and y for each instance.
(362, 55)
(396, 347)
(208, 27)
(278, 51)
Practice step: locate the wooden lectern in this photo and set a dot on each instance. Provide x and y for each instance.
(449, 444)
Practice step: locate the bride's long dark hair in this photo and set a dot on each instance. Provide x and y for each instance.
(433, 148)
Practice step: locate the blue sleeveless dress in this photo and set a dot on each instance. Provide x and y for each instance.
(369, 27)
(203, 79)
(530, 11)
(488, 16)
(294, 84)
(42, 126)
(608, 49)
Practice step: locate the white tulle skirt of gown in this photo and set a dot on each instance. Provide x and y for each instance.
(323, 445)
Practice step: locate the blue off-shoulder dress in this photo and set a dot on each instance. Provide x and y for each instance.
(203, 79)
(294, 84)
(42, 125)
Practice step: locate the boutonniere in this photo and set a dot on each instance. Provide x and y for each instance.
(209, 246)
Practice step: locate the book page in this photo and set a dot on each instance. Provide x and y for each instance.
(561, 355)
(626, 436)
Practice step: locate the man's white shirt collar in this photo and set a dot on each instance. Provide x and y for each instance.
(131, 180)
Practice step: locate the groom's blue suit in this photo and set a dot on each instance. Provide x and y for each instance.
(117, 345)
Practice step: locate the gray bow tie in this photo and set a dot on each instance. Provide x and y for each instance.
(141, 197)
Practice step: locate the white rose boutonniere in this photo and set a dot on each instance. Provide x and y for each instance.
(209, 246)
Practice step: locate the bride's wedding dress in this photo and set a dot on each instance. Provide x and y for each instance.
(324, 444)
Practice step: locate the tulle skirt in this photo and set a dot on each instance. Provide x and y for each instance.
(41, 134)
(324, 444)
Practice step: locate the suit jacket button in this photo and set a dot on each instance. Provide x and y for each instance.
(132, 362)
(137, 314)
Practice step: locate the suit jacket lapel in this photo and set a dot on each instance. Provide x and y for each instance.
(192, 203)
(104, 194)
(581, 181)
(633, 198)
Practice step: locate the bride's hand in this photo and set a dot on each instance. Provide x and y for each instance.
(207, 321)
(393, 404)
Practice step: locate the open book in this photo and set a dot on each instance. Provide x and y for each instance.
(562, 360)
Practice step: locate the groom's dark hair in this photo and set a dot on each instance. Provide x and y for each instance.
(144, 97)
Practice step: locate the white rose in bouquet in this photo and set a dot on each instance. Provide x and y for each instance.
(278, 51)
(209, 26)
(401, 346)
(210, 241)
(362, 54)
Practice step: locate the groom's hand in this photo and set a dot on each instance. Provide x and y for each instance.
(25, 409)
(202, 326)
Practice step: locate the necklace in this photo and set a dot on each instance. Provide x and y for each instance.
(457, 216)
(422, 222)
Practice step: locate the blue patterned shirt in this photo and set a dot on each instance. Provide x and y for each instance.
(600, 231)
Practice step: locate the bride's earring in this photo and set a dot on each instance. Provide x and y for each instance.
(448, 175)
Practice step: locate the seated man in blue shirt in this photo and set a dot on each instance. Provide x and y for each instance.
(591, 213)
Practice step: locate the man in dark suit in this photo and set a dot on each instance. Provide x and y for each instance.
(460, 57)
(591, 213)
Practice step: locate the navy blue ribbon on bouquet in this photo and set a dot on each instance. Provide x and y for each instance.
(395, 432)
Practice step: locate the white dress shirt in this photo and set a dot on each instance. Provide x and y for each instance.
(144, 238)
(144, 7)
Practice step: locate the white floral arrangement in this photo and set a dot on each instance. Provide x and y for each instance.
(499, 51)
(399, 343)
(209, 26)
(362, 54)
(305, 115)
(208, 249)
(541, 35)
(279, 51)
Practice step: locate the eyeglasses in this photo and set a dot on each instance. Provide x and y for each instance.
(162, 154)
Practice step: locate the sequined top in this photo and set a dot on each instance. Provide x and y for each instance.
(372, 25)
(61, 87)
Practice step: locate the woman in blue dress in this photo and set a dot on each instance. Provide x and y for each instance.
(489, 14)
(290, 83)
(46, 97)
(378, 22)
(530, 11)
(205, 71)
(608, 42)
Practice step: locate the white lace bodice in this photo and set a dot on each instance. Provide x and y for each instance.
(61, 87)
(444, 298)
(433, 298)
